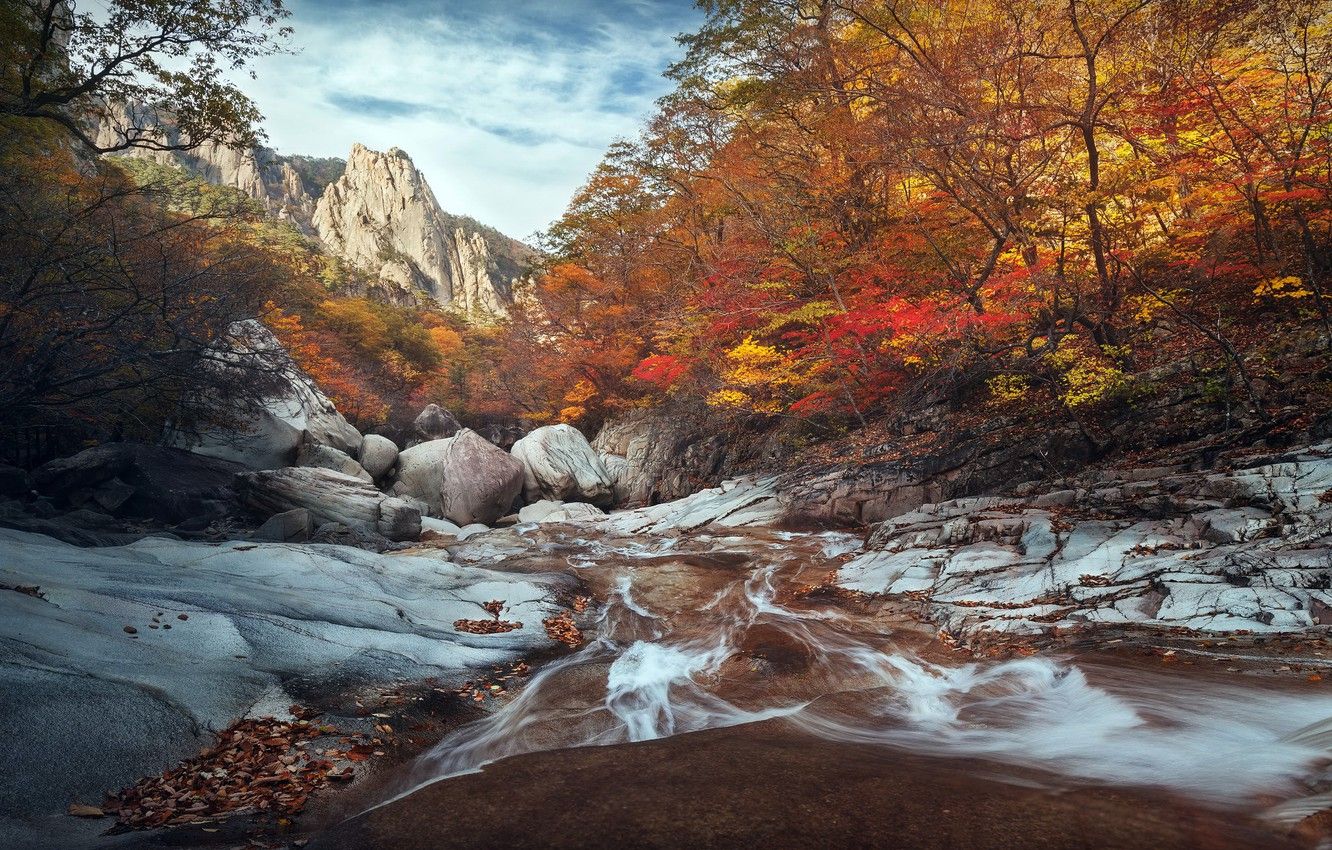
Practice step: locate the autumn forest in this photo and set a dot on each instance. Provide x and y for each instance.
(844, 204)
(915, 431)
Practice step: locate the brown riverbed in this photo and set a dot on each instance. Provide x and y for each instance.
(765, 785)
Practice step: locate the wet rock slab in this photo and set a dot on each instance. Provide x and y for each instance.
(763, 785)
(122, 660)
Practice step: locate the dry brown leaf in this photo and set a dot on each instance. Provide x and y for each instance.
(81, 810)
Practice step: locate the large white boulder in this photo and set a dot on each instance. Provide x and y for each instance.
(330, 497)
(463, 479)
(378, 454)
(560, 465)
(296, 412)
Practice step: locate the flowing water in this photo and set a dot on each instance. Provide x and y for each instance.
(701, 632)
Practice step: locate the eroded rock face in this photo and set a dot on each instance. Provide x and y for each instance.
(1244, 549)
(330, 497)
(102, 707)
(464, 479)
(560, 465)
(261, 173)
(654, 456)
(296, 414)
(382, 216)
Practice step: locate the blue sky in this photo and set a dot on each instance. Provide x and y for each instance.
(505, 105)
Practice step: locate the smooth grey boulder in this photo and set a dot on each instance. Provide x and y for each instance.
(327, 457)
(435, 423)
(330, 497)
(296, 411)
(559, 464)
(438, 526)
(464, 479)
(293, 526)
(537, 511)
(378, 455)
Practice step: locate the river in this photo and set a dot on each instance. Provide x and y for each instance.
(704, 631)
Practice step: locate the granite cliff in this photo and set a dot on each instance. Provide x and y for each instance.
(375, 211)
(382, 216)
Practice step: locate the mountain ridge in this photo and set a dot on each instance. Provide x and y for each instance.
(374, 210)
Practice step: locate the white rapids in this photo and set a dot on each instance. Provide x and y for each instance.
(650, 673)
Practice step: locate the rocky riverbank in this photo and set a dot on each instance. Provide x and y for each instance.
(152, 597)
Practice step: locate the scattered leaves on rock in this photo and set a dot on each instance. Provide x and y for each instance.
(561, 628)
(478, 690)
(493, 626)
(260, 765)
(486, 627)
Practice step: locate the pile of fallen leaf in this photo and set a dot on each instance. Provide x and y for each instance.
(486, 627)
(493, 626)
(261, 765)
(479, 689)
(561, 628)
(828, 588)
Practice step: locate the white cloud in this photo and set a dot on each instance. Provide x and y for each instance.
(505, 115)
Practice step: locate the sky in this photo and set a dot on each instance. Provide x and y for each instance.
(505, 105)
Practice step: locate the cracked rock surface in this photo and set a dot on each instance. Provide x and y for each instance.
(1244, 549)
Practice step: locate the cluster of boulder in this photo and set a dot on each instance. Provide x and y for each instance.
(304, 473)
(448, 480)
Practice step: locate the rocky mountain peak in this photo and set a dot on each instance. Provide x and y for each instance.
(375, 211)
(285, 186)
(382, 216)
